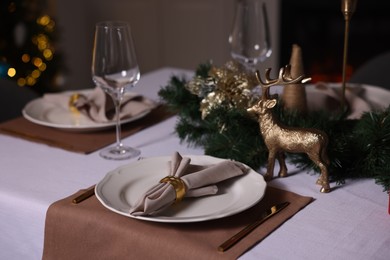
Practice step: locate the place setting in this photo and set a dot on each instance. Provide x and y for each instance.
(216, 204)
(89, 119)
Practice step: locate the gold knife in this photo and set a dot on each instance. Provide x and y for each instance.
(241, 234)
(85, 195)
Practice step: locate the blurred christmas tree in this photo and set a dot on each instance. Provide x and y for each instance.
(28, 52)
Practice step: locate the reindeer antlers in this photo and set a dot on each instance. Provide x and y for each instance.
(283, 79)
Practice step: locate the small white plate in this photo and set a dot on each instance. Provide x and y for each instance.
(41, 112)
(121, 188)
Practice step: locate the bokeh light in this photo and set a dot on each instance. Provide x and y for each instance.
(11, 72)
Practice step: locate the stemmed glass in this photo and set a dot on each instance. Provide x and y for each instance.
(115, 70)
(250, 37)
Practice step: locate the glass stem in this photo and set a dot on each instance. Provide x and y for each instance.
(117, 98)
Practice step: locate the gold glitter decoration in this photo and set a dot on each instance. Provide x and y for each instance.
(280, 139)
(230, 85)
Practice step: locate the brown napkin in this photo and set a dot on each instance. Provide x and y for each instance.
(98, 105)
(79, 142)
(196, 178)
(90, 231)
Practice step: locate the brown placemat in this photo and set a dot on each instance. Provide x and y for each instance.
(90, 231)
(82, 142)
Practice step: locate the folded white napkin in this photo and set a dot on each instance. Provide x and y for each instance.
(199, 181)
(329, 98)
(98, 105)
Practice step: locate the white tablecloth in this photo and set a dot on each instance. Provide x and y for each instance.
(351, 222)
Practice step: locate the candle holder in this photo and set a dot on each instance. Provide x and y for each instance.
(348, 8)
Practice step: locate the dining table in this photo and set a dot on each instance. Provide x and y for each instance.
(350, 222)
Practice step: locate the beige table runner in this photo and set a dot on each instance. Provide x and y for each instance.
(90, 231)
(81, 142)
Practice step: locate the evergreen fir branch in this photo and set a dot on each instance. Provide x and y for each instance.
(203, 70)
(373, 141)
(179, 99)
(235, 136)
(382, 177)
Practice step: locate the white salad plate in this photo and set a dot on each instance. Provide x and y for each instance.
(121, 188)
(42, 112)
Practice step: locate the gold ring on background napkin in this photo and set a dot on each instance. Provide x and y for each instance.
(72, 102)
(178, 184)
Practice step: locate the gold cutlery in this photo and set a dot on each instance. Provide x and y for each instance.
(85, 195)
(245, 231)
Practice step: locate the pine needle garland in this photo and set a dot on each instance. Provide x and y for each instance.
(373, 141)
(357, 148)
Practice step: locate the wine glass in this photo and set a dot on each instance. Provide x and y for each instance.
(250, 37)
(115, 70)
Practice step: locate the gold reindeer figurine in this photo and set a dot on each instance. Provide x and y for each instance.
(280, 139)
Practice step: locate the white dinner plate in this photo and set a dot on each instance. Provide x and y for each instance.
(41, 112)
(121, 188)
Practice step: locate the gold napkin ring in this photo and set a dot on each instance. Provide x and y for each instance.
(178, 184)
(72, 103)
